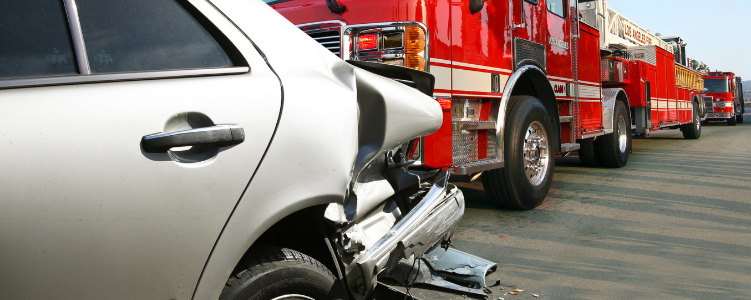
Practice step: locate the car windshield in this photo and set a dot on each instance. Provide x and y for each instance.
(718, 85)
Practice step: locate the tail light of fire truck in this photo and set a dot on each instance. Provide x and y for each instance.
(400, 44)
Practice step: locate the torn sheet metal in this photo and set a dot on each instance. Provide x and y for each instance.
(450, 269)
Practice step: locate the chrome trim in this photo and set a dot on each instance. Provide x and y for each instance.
(565, 119)
(598, 133)
(71, 10)
(477, 166)
(336, 25)
(719, 115)
(78, 79)
(523, 25)
(500, 125)
(348, 31)
(430, 221)
(473, 125)
(568, 147)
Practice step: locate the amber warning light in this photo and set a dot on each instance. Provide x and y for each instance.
(368, 42)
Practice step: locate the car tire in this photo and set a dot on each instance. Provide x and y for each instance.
(525, 180)
(692, 130)
(614, 147)
(588, 155)
(268, 272)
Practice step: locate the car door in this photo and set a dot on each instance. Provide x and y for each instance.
(88, 210)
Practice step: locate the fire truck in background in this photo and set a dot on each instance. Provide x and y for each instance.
(663, 91)
(724, 97)
(519, 81)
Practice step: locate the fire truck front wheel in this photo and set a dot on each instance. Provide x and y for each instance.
(529, 155)
(614, 147)
(732, 121)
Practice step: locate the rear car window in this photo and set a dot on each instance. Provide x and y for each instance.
(34, 39)
(145, 35)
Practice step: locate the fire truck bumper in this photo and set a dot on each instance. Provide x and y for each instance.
(713, 116)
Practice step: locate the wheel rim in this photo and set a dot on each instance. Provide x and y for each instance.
(622, 137)
(293, 297)
(536, 155)
(698, 123)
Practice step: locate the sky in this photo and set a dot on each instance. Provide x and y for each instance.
(716, 31)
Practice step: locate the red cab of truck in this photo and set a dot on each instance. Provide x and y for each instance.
(724, 97)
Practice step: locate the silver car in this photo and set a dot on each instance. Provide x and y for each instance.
(194, 149)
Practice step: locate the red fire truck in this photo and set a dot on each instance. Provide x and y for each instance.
(519, 81)
(724, 97)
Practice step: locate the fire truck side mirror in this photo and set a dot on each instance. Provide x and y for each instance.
(476, 6)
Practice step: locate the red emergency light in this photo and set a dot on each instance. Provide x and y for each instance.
(445, 103)
(368, 42)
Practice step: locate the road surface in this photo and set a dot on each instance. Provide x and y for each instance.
(675, 223)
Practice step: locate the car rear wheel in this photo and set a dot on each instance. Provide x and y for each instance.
(529, 155)
(271, 273)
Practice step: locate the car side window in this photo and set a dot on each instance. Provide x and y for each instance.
(34, 39)
(145, 35)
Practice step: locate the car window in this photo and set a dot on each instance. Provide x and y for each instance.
(145, 35)
(34, 39)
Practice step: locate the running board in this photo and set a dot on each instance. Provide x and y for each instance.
(569, 147)
(477, 167)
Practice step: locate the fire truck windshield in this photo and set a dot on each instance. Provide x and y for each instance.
(717, 85)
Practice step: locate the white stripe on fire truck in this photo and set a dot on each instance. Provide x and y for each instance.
(474, 81)
(456, 63)
(442, 77)
(571, 80)
(589, 92)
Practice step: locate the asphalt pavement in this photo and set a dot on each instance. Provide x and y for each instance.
(675, 223)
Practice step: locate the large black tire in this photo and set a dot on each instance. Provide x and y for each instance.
(739, 119)
(512, 186)
(614, 147)
(588, 155)
(692, 130)
(268, 272)
(732, 121)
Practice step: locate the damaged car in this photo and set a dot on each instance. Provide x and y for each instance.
(205, 149)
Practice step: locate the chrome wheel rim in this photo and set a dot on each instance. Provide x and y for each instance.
(293, 297)
(536, 153)
(698, 122)
(622, 138)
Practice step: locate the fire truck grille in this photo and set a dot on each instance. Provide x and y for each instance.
(328, 35)
(708, 104)
(529, 52)
(465, 144)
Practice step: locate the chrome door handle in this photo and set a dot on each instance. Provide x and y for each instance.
(220, 135)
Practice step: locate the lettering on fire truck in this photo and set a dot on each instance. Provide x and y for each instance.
(558, 43)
